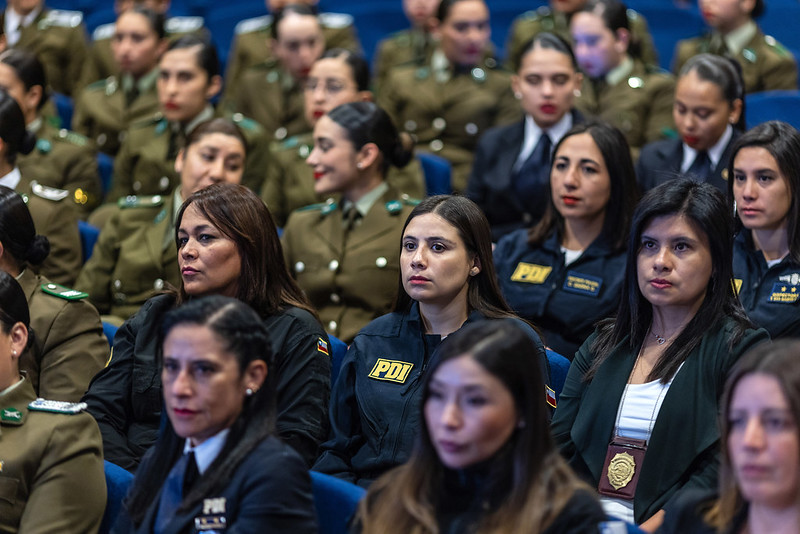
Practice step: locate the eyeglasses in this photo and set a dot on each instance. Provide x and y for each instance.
(330, 86)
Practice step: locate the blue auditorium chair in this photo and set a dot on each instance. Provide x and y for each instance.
(335, 501)
(338, 350)
(118, 481)
(773, 105)
(559, 367)
(89, 235)
(437, 174)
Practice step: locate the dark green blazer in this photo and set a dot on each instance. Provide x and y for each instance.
(683, 451)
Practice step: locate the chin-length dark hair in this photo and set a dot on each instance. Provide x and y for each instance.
(703, 205)
(469, 221)
(776, 360)
(624, 190)
(528, 470)
(242, 334)
(782, 141)
(264, 283)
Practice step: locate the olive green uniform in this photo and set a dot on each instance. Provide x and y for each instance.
(544, 19)
(251, 42)
(639, 104)
(100, 62)
(290, 181)
(55, 219)
(446, 111)
(145, 164)
(766, 64)
(69, 345)
(135, 256)
(350, 276)
(51, 467)
(58, 39)
(270, 96)
(64, 160)
(104, 110)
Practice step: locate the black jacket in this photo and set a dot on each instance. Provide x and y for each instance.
(125, 398)
(375, 407)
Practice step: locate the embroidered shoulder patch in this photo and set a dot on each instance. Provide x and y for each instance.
(531, 273)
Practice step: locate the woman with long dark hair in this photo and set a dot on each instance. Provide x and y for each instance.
(227, 245)
(447, 280)
(219, 445)
(656, 370)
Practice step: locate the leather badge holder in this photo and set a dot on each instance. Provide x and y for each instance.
(621, 469)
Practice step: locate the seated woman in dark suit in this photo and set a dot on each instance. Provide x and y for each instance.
(565, 273)
(759, 486)
(512, 163)
(636, 417)
(709, 115)
(218, 463)
(484, 460)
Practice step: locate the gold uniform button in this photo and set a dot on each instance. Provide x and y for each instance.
(333, 265)
(101, 139)
(381, 262)
(237, 117)
(117, 284)
(332, 326)
(410, 126)
(280, 133)
(436, 145)
(137, 185)
(471, 128)
(163, 183)
(299, 267)
(158, 285)
(439, 123)
(335, 298)
(304, 151)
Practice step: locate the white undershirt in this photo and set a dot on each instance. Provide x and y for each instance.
(570, 255)
(207, 452)
(636, 417)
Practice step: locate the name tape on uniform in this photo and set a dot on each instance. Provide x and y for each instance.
(531, 273)
(784, 293)
(391, 370)
(582, 284)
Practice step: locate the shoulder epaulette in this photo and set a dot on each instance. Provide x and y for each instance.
(632, 14)
(50, 193)
(97, 85)
(396, 206)
(335, 20)
(140, 201)
(323, 208)
(61, 18)
(149, 121)
(183, 24)
(63, 292)
(43, 145)
(253, 25)
(246, 123)
(533, 14)
(69, 408)
(775, 45)
(73, 137)
(104, 31)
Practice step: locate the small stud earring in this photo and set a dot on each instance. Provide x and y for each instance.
(360, 165)
(518, 95)
(249, 392)
(577, 93)
(13, 353)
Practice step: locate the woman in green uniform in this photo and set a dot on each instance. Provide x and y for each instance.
(338, 77)
(344, 255)
(134, 257)
(105, 109)
(766, 64)
(51, 453)
(450, 101)
(61, 159)
(619, 88)
(70, 347)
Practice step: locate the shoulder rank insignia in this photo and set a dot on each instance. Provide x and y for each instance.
(246, 123)
(140, 201)
(61, 18)
(63, 292)
(104, 31)
(336, 20)
(253, 25)
(72, 137)
(10, 415)
(49, 193)
(750, 55)
(44, 405)
(183, 24)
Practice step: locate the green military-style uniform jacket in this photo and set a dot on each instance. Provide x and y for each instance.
(766, 64)
(290, 181)
(252, 36)
(51, 479)
(639, 103)
(69, 345)
(58, 39)
(446, 110)
(100, 62)
(269, 95)
(683, 450)
(544, 19)
(55, 219)
(135, 256)
(104, 112)
(404, 47)
(145, 164)
(350, 276)
(63, 160)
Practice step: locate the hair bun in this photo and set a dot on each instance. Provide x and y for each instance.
(403, 150)
(38, 251)
(28, 143)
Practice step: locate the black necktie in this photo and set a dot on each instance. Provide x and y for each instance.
(701, 167)
(533, 177)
